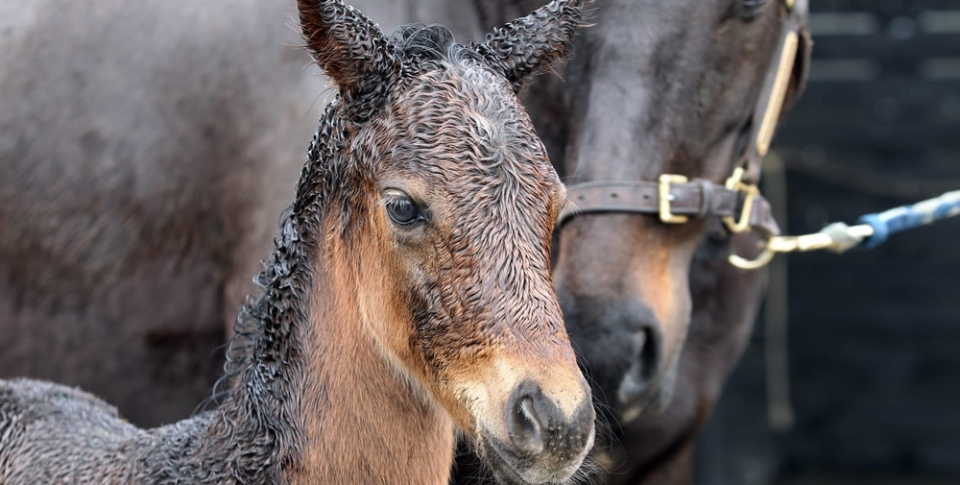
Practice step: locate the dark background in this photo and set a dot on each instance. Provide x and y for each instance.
(874, 336)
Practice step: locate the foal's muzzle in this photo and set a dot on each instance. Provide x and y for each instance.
(543, 445)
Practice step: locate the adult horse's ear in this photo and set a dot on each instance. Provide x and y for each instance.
(801, 71)
(352, 50)
(531, 44)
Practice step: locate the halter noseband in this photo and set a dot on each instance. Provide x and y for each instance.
(738, 202)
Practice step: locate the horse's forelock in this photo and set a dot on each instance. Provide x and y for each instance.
(426, 42)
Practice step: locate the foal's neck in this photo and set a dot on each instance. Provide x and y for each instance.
(363, 422)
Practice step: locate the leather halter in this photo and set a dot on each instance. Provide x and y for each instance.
(738, 202)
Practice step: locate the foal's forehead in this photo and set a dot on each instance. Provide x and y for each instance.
(464, 122)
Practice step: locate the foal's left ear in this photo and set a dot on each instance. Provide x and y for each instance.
(531, 44)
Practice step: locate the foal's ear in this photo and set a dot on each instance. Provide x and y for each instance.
(351, 49)
(531, 44)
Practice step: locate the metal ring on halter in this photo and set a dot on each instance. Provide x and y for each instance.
(760, 261)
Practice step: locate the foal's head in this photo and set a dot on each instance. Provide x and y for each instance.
(445, 204)
(656, 88)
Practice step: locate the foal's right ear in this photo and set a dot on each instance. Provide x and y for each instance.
(531, 44)
(351, 49)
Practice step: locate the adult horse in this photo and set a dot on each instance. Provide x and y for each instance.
(147, 151)
(691, 90)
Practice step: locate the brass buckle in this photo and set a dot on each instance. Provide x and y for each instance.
(666, 198)
(750, 191)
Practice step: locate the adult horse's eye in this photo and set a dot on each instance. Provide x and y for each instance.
(401, 209)
(750, 9)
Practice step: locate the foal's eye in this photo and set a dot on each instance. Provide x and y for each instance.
(401, 208)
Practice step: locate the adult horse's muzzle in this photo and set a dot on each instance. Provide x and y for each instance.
(647, 383)
(626, 313)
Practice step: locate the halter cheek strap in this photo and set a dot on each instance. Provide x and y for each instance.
(674, 198)
(773, 95)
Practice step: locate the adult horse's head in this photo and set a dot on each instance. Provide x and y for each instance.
(456, 201)
(659, 88)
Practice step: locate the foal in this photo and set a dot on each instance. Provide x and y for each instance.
(408, 292)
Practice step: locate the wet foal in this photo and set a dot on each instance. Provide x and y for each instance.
(408, 293)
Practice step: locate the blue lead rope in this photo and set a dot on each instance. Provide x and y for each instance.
(908, 217)
(872, 230)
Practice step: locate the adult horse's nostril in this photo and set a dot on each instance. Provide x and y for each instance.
(643, 371)
(526, 424)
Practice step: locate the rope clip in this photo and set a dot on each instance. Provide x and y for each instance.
(837, 237)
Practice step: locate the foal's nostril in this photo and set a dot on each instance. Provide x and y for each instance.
(526, 426)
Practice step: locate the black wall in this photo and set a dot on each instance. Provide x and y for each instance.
(874, 336)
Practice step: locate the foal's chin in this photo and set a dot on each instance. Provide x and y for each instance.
(511, 466)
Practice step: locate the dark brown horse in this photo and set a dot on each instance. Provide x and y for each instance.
(147, 151)
(387, 316)
(657, 314)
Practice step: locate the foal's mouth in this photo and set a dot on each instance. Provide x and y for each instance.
(506, 464)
